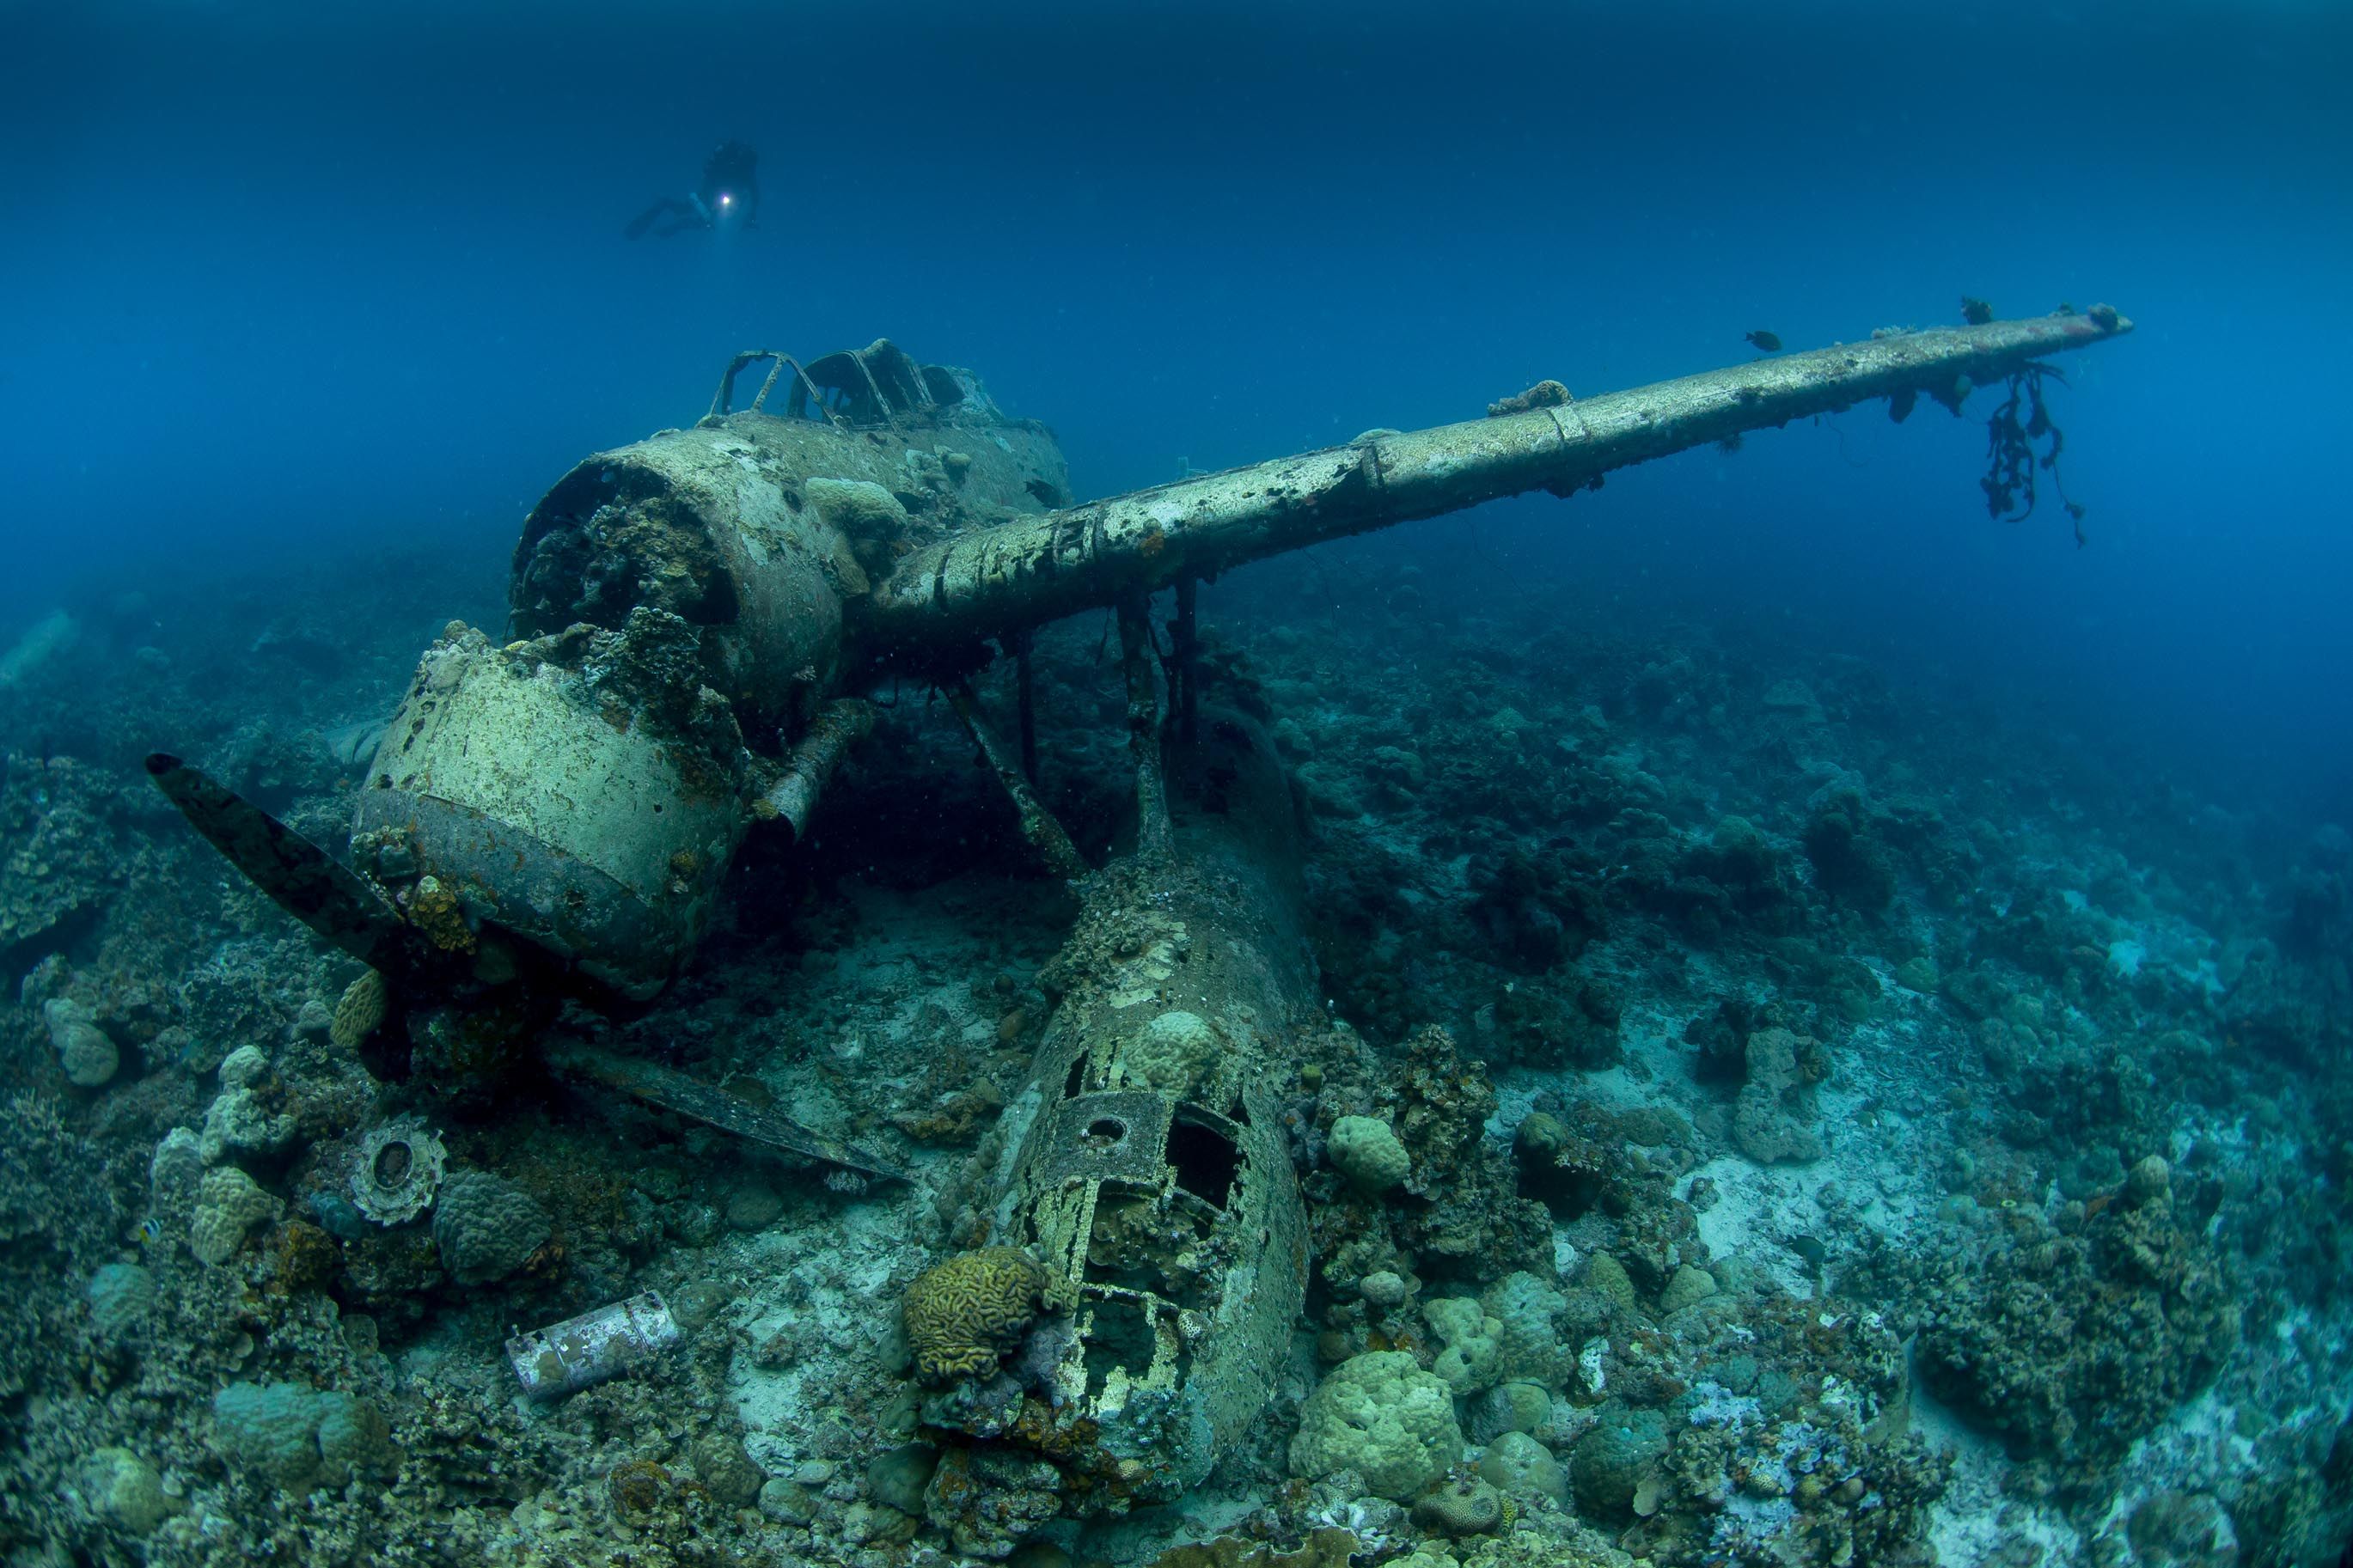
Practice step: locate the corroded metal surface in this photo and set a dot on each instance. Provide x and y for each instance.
(691, 608)
(838, 726)
(1086, 556)
(551, 807)
(1151, 1175)
(566, 1357)
(1039, 825)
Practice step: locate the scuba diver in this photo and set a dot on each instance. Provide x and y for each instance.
(730, 193)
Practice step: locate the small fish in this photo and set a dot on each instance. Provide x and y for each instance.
(1769, 342)
(150, 1232)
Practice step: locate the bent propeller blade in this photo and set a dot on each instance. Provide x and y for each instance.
(301, 878)
(730, 1112)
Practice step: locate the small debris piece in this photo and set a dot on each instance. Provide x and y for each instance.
(397, 1170)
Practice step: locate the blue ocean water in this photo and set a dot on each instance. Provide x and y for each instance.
(1753, 1014)
(288, 278)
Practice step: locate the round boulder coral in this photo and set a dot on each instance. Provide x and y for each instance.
(486, 1227)
(269, 1429)
(1609, 1461)
(1365, 1149)
(83, 1048)
(1520, 1465)
(300, 1437)
(119, 1296)
(1381, 1415)
(125, 1490)
(963, 1315)
(859, 508)
(228, 1204)
(1171, 1050)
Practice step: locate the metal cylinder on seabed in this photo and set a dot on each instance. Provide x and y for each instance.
(566, 1357)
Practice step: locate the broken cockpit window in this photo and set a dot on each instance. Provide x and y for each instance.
(878, 384)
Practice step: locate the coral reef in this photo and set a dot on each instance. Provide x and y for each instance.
(1709, 1015)
(1543, 395)
(1365, 1149)
(2076, 1345)
(228, 1204)
(1768, 1122)
(63, 850)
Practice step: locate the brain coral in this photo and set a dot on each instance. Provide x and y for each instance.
(1381, 1415)
(965, 1314)
(359, 1013)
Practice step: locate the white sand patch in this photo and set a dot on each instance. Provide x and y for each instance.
(826, 1288)
(1759, 1210)
(1975, 1523)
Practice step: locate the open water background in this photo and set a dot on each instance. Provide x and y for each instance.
(302, 280)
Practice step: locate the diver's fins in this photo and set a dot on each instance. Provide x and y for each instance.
(301, 878)
(674, 1090)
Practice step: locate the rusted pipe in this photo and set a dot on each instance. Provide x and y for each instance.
(792, 798)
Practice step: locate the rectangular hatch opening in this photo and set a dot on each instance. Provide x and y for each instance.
(1205, 1160)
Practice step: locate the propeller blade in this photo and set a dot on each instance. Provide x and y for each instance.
(674, 1090)
(301, 878)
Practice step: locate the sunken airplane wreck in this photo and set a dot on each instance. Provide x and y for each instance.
(691, 618)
